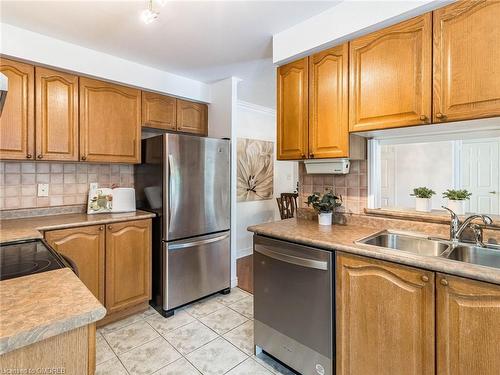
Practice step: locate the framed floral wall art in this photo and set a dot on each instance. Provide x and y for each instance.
(255, 160)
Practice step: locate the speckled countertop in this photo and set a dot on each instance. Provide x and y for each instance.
(342, 237)
(26, 228)
(39, 306)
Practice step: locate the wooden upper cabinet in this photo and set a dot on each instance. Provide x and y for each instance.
(466, 61)
(17, 122)
(128, 264)
(85, 247)
(293, 111)
(468, 326)
(158, 111)
(192, 117)
(390, 76)
(328, 103)
(56, 115)
(385, 318)
(110, 122)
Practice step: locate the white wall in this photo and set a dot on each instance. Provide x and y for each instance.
(257, 122)
(41, 49)
(342, 22)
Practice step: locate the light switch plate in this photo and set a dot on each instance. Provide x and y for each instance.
(43, 190)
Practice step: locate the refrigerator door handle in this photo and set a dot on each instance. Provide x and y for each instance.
(197, 243)
(171, 188)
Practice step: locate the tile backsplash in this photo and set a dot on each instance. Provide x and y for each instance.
(68, 182)
(353, 186)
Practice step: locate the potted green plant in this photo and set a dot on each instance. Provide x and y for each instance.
(324, 205)
(423, 197)
(456, 199)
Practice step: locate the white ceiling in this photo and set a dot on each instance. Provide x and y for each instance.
(203, 40)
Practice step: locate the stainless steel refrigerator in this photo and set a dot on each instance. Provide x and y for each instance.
(186, 181)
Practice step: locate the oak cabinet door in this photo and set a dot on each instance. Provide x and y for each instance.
(128, 264)
(85, 247)
(390, 76)
(158, 111)
(328, 103)
(292, 111)
(385, 318)
(468, 326)
(466, 61)
(56, 115)
(192, 117)
(17, 122)
(110, 122)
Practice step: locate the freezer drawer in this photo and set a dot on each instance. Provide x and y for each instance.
(293, 304)
(195, 267)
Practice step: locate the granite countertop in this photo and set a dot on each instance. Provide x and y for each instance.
(342, 237)
(39, 306)
(28, 228)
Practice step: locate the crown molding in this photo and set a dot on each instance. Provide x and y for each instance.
(256, 108)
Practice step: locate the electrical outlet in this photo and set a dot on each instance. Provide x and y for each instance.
(43, 190)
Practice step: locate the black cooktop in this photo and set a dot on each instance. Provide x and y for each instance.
(22, 258)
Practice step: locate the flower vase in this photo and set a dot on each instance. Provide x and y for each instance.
(325, 218)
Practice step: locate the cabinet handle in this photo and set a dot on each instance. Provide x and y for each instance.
(101, 227)
(425, 278)
(303, 156)
(423, 118)
(40, 156)
(83, 157)
(311, 155)
(29, 156)
(440, 115)
(444, 282)
(110, 227)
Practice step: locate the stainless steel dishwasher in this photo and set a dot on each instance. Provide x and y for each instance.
(294, 304)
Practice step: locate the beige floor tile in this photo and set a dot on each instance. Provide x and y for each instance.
(223, 320)
(111, 367)
(217, 357)
(204, 307)
(249, 367)
(102, 350)
(130, 336)
(149, 357)
(190, 337)
(179, 367)
(235, 295)
(164, 325)
(244, 307)
(149, 312)
(120, 324)
(242, 337)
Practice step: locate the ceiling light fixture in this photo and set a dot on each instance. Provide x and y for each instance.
(149, 15)
(162, 3)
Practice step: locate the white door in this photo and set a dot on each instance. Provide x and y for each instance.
(387, 176)
(479, 160)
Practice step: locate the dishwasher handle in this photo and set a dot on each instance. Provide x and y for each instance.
(298, 261)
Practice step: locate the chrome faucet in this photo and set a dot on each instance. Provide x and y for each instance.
(457, 227)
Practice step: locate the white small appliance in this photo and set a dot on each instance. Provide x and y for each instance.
(123, 200)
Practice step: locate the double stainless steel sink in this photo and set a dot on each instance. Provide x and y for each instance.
(421, 245)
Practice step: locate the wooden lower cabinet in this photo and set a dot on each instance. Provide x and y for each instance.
(85, 247)
(113, 261)
(128, 264)
(385, 318)
(73, 352)
(468, 327)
